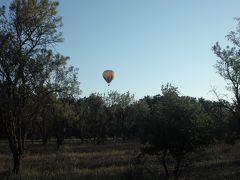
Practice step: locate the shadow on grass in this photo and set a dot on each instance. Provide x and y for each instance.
(216, 170)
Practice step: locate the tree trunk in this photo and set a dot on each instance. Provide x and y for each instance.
(32, 139)
(44, 132)
(23, 144)
(32, 134)
(60, 133)
(82, 140)
(17, 151)
(23, 137)
(44, 140)
(176, 169)
(123, 138)
(60, 140)
(164, 163)
(44, 136)
(17, 158)
(123, 127)
(98, 140)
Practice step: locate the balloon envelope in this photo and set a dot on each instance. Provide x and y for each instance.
(108, 75)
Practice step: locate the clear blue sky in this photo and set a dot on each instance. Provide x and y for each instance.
(147, 43)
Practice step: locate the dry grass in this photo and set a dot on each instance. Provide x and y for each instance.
(113, 162)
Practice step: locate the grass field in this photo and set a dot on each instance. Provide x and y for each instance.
(113, 161)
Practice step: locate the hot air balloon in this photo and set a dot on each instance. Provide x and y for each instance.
(108, 75)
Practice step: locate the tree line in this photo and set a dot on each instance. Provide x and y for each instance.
(167, 124)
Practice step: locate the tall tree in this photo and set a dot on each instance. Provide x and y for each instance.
(175, 127)
(29, 69)
(96, 117)
(119, 104)
(228, 66)
(80, 129)
(63, 115)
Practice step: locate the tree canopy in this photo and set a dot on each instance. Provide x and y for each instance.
(176, 126)
(30, 69)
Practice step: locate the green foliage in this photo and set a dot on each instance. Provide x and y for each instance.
(119, 109)
(135, 113)
(228, 66)
(96, 116)
(102, 116)
(176, 125)
(92, 118)
(30, 71)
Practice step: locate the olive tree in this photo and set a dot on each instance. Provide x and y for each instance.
(175, 127)
(119, 104)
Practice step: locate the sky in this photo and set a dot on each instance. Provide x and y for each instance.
(147, 43)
